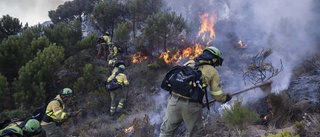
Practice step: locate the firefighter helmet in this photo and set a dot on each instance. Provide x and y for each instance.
(31, 125)
(122, 67)
(216, 55)
(66, 92)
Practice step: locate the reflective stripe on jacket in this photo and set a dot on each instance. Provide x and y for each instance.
(210, 77)
(55, 111)
(121, 78)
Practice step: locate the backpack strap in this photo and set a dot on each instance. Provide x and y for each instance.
(60, 103)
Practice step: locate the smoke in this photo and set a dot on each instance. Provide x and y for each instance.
(29, 11)
(287, 27)
(283, 26)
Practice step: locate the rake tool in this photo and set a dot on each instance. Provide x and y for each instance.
(265, 87)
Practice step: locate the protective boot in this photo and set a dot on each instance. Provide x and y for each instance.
(112, 110)
(119, 108)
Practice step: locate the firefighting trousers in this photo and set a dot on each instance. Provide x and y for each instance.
(179, 110)
(52, 130)
(117, 95)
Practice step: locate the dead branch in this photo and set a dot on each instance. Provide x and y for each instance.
(259, 70)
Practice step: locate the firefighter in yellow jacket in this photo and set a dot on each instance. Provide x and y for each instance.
(12, 131)
(118, 93)
(113, 51)
(102, 47)
(181, 109)
(114, 64)
(26, 128)
(55, 113)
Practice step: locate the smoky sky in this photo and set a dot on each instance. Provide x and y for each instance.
(31, 11)
(287, 27)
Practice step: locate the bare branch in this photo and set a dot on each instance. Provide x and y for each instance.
(259, 70)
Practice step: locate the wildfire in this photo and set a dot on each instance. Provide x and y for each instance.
(207, 25)
(206, 34)
(137, 58)
(189, 52)
(129, 129)
(170, 58)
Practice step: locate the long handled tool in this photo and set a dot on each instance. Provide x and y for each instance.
(265, 87)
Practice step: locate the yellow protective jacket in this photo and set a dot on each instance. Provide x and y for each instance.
(106, 38)
(55, 111)
(211, 78)
(10, 126)
(121, 78)
(113, 50)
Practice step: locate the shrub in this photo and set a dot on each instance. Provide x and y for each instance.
(285, 133)
(238, 115)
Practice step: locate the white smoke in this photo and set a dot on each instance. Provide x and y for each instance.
(29, 11)
(284, 26)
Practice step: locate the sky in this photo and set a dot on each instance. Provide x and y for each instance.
(31, 11)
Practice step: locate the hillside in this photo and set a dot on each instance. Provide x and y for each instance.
(260, 41)
(146, 103)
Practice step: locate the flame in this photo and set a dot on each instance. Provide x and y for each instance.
(206, 34)
(207, 25)
(137, 58)
(241, 44)
(192, 52)
(129, 129)
(189, 52)
(168, 59)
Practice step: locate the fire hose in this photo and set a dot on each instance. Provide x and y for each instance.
(265, 87)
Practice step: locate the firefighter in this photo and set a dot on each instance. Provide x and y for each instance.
(118, 93)
(180, 109)
(114, 64)
(113, 51)
(55, 113)
(12, 131)
(102, 45)
(29, 127)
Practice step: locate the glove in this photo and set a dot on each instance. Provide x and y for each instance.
(228, 98)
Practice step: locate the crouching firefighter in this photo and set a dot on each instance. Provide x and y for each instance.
(26, 128)
(185, 106)
(55, 113)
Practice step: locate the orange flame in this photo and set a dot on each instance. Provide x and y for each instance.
(129, 129)
(206, 34)
(137, 58)
(207, 25)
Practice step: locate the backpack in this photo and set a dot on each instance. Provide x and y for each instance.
(100, 40)
(184, 80)
(39, 112)
(120, 49)
(113, 84)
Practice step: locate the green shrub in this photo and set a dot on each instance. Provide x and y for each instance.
(238, 115)
(20, 113)
(285, 133)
